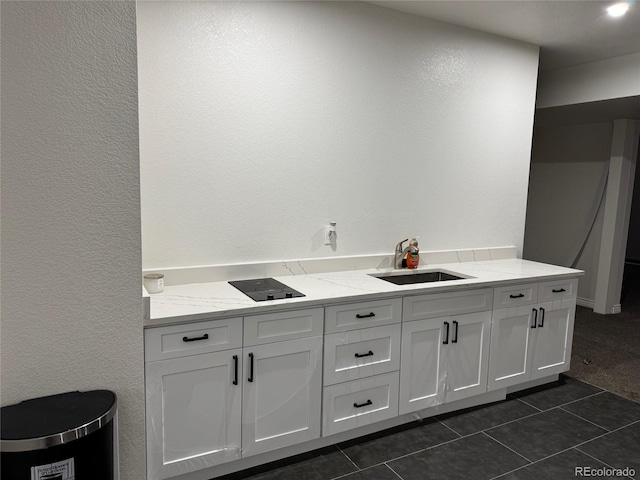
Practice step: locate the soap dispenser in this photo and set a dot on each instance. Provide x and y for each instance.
(413, 255)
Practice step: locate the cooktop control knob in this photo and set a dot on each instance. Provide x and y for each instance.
(270, 296)
(288, 295)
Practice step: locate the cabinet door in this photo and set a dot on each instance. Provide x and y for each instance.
(193, 413)
(553, 338)
(421, 369)
(282, 394)
(511, 346)
(468, 355)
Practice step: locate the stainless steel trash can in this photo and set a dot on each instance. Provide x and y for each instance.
(69, 436)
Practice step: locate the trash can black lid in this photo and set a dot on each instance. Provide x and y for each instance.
(47, 421)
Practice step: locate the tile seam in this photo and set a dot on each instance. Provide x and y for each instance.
(588, 421)
(348, 458)
(396, 473)
(507, 447)
(597, 459)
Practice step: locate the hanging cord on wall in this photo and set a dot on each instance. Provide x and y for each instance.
(603, 190)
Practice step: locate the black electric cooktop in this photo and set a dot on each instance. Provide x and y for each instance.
(262, 289)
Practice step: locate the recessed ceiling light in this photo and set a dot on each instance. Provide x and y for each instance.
(618, 9)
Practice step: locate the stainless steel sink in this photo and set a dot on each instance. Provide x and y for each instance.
(422, 277)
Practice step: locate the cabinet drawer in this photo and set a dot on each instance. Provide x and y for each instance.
(361, 402)
(340, 318)
(361, 353)
(515, 295)
(557, 290)
(175, 341)
(276, 327)
(419, 307)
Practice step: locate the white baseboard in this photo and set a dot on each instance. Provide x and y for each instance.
(585, 302)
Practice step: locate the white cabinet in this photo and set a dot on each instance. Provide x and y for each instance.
(468, 356)
(511, 347)
(206, 406)
(193, 412)
(361, 362)
(532, 341)
(282, 394)
(443, 359)
(227, 389)
(553, 338)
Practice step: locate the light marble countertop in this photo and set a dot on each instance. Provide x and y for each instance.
(203, 301)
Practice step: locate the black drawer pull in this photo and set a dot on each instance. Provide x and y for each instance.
(368, 402)
(541, 324)
(250, 379)
(535, 318)
(360, 355)
(455, 339)
(517, 296)
(365, 316)
(235, 361)
(187, 339)
(446, 338)
(560, 290)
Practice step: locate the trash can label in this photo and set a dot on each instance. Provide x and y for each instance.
(63, 470)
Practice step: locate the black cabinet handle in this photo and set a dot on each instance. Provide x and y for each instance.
(541, 324)
(235, 376)
(368, 402)
(535, 318)
(446, 339)
(520, 295)
(250, 379)
(455, 339)
(560, 290)
(360, 355)
(187, 339)
(365, 316)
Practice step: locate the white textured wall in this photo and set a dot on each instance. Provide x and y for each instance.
(261, 122)
(569, 165)
(616, 77)
(71, 294)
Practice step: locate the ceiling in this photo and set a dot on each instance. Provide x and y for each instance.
(569, 32)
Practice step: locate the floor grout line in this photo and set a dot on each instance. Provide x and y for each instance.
(447, 426)
(597, 459)
(511, 421)
(566, 403)
(565, 450)
(528, 404)
(580, 399)
(534, 462)
(422, 450)
(605, 434)
(348, 458)
(396, 473)
(588, 421)
(584, 381)
(506, 446)
(461, 436)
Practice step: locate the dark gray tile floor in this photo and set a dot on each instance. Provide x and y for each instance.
(547, 432)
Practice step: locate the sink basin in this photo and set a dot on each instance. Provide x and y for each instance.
(422, 277)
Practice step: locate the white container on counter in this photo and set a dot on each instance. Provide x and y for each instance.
(154, 282)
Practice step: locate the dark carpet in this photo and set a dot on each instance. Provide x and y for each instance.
(606, 348)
